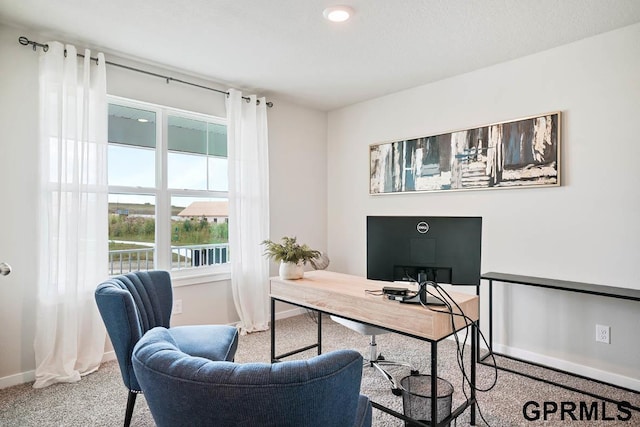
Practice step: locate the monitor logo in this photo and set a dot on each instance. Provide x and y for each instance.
(422, 227)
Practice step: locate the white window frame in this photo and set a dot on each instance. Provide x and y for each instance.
(163, 194)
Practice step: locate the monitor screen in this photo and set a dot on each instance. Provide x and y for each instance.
(440, 249)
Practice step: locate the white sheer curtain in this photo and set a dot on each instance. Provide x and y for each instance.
(248, 209)
(72, 204)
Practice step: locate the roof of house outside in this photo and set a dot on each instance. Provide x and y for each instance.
(206, 209)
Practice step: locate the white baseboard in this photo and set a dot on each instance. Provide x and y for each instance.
(17, 379)
(108, 356)
(564, 365)
(30, 376)
(586, 371)
(290, 313)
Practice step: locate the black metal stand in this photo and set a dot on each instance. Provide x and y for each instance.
(585, 288)
(276, 358)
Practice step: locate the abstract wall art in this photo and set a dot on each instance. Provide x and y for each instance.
(518, 153)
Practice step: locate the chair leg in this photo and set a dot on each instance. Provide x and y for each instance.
(377, 359)
(373, 349)
(131, 401)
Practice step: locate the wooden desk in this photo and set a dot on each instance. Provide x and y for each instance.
(344, 296)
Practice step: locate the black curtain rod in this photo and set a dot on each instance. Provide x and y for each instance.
(45, 47)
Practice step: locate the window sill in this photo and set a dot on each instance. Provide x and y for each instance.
(201, 276)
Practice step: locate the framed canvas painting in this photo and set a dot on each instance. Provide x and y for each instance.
(512, 154)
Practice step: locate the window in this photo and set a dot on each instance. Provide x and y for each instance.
(168, 189)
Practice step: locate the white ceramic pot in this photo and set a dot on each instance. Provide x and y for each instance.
(290, 270)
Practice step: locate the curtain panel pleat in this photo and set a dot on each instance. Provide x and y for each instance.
(247, 135)
(72, 205)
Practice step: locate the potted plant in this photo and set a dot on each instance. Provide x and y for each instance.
(291, 255)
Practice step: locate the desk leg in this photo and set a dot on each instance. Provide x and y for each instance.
(475, 350)
(319, 333)
(273, 330)
(490, 316)
(477, 331)
(434, 383)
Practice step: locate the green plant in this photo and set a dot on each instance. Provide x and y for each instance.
(289, 251)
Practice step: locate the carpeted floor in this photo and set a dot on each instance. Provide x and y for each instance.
(100, 398)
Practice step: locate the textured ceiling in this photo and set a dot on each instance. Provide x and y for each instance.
(285, 48)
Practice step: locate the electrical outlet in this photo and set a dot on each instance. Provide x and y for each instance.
(177, 306)
(602, 334)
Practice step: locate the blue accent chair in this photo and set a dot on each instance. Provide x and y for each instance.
(184, 390)
(134, 303)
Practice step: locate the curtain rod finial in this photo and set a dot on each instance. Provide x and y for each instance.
(26, 42)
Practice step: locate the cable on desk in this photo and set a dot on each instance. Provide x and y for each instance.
(460, 351)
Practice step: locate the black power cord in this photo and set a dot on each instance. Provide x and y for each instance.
(444, 296)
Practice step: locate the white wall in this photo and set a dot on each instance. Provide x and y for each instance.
(18, 105)
(586, 230)
(297, 187)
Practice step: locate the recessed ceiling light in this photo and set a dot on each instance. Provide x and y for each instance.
(338, 13)
(143, 120)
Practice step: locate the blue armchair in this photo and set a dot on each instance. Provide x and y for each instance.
(183, 390)
(134, 303)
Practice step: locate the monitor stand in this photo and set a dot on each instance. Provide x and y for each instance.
(422, 297)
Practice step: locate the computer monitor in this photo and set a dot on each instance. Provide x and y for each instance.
(419, 248)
